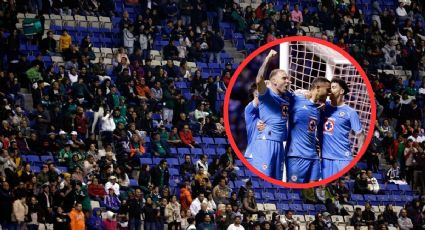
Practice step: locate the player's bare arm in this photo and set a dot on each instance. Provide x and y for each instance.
(261, 85)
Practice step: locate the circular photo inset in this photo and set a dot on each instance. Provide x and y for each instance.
(299, 112)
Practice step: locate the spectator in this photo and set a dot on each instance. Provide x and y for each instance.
(172, 213)
(372, 183)
(207, 223)
(95, 221)
(129, 39)
(404, 222)
(390, 216)
(289, 222)
(77, 217)
(112, 184)
(296, 14)
(161, 174)
(170, 51)
(111, 201)
(187, 138)
(65, 41)
(368, 215)
(221, 192)
(109, 223)
(322, 194)
(357, 218)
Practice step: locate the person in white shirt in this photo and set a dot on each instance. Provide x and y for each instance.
(191, 222)
(372, 183)
(236, 224)
(404, 222)
(195, 206)
(107, 125)
(401, 12)
(112, 183)
(202, 163)
(200, 114)
(128, 38)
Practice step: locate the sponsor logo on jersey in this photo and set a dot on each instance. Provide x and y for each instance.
(341, 114)
(294, 178)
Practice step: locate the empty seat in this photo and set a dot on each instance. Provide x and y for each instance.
(183, 150)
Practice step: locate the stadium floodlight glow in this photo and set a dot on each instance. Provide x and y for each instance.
(304, 59)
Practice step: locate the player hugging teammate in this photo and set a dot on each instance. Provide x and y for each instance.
(299, 137)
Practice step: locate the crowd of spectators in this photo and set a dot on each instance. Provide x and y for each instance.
(92, 126)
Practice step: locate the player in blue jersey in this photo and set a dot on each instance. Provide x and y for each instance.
(340, 120)
(267, 148)
(305, 125)
(252, 118)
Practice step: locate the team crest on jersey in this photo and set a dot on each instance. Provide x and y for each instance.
(265, 167)
(312, 124)
(285, 110)
(329, 126)
(341, 114)
(294, 178)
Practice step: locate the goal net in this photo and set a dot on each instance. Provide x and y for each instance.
(305, 61)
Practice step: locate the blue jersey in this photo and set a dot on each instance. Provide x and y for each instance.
(304, 122)
(251, 118)
(274, 112)
(339, 121)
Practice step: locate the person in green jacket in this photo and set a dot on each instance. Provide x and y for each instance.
(65, 154)
(158, 148)
(33, 74)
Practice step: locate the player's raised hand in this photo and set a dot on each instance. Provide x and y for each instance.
(271, 54)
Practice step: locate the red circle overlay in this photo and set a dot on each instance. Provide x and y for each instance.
(232, 140)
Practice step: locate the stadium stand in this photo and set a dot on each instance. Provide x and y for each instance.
(117, 107)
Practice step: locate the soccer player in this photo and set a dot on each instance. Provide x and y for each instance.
(267, 148)
(340, 120)
(305, 125)
(252, 118)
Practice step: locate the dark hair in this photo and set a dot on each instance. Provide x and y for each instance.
(341, 83)
(317, 81)
(190, 220)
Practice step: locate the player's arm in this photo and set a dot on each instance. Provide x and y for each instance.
(261, 84)
(360, 138)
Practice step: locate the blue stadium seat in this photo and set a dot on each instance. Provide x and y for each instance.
(282, 207)
(183, 151)
(357, 198)
(173, 161)
(173, 151)
(220, 141)
(33, 159)
(196, 151)
(281, 196)
(320, 207)
(62, 169)
(268, 196)
(296, 207)
(383, 199)
(390, 187)
(36, 169)
(197, 139)
(209, 151)
(134, 183)
(220, 151)
(147, 161)
(309, 208)
(406, 189)
(208, 140)
(173, 171)
(240, 173)
(369, 197)
(46, 158)
(293, 196)
(155, 161)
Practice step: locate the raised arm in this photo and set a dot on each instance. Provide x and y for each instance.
(261, 85)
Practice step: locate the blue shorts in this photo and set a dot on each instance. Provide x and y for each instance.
(267, 157)
(332, 167)
(300, 170)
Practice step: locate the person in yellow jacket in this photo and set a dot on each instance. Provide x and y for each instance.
(65, 41)
(77, 217)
